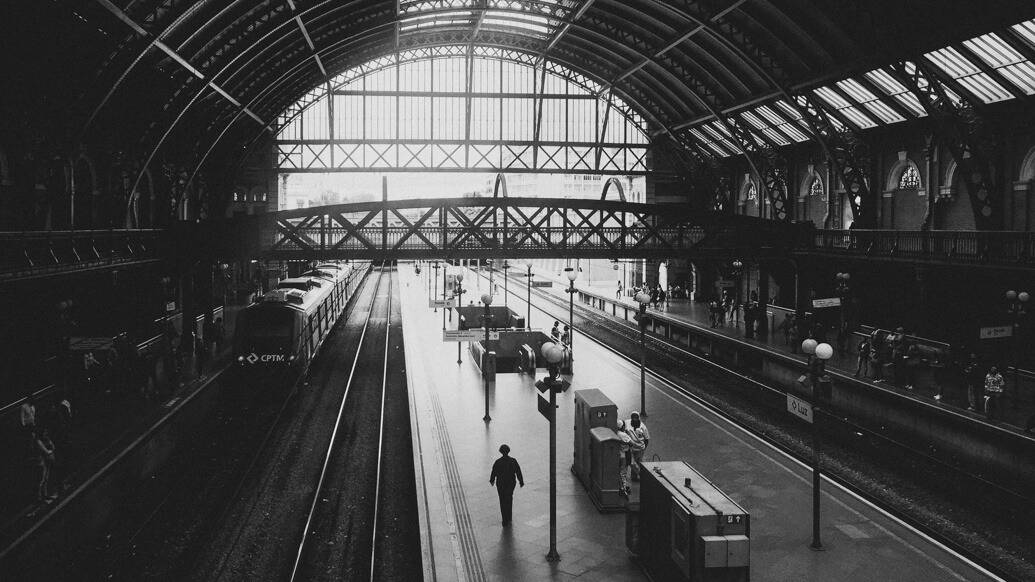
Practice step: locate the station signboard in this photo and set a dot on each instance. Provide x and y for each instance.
(828, 302)
(996, 332)
(442, 303)
(799, 408)
(467, 335)
(725, 284)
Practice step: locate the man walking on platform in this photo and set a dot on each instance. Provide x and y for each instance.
(505, 474)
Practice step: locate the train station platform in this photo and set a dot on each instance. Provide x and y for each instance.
(454, 449)
(943, 386)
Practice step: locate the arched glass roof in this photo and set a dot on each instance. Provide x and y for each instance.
(462, 108)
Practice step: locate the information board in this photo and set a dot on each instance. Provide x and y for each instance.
(442, 303)
(467, 335)
(799, 408)
(828, 302)
(725, 283)
(996, 332)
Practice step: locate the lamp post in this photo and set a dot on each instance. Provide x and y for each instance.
(528, 300)
(553, 354)
(571, 274)
(842, 292)
(506, 268)
(434, 289)
(643, 299)
(818, 354)
(458, 293)
(445, 267)
(738, 270)
(487, 300)
(1017, 308)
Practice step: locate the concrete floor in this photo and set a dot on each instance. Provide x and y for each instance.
(454, 451)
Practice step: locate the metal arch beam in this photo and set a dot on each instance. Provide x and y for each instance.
(646, 112)
(308, 39)
(673, 44)
(563, 30)
(501, 181)
(607, 186)
(118, 13)
(845, 162)
(960, 136)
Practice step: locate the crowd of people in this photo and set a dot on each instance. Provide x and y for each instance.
(114, 371)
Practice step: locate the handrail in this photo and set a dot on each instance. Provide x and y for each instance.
(1002, 247)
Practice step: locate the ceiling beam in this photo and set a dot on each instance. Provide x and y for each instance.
(673, 44)
(118, 13)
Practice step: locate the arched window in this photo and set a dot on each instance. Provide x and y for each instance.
(909, 179)
(816, 187)
(752, 193)
(453, 107)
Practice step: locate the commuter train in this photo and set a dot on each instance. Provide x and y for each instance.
(286, 326)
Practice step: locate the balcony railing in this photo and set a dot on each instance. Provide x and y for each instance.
(29, 254)
(999, 248)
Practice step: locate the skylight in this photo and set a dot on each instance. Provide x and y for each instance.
(845, 108)
(782, 124)
(762, 126)
(860, 94)
(897, 91)
(1005, 60)
(969, 75)
(539, 19)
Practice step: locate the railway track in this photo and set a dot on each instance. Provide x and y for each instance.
(853, 442)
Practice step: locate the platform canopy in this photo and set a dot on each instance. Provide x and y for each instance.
(205, 80)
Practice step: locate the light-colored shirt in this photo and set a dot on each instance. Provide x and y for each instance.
(994, 382)
(28, 414)
(639, 435)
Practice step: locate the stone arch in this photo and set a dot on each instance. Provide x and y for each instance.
(743, 197)
(895, 174)
(607, 186)
(1027, 171)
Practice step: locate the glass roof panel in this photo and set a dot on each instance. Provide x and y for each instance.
(539, 19)
(845, 108)
(762, 126)
(708, 142)
(1026, 30)
(969, 75)
(782, 124)
(999, 55)
(871, 102)
(887, 83)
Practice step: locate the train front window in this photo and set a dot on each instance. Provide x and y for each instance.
(271, 326)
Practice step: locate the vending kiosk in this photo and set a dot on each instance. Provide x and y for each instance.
(688, 530)
(597, 448)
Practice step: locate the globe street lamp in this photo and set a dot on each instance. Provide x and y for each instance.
(818, 354)
(506, 268)
(528, 301)
(643, 299)
(571, 274)
(486, 318)
(458, 293)
(553, 354)
(1017, 307)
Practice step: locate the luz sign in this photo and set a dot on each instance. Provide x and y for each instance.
(799, 408)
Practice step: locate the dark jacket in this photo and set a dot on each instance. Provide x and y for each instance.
(506, 473)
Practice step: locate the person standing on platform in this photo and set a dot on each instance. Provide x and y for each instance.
(566, 336)
(27, 414)
(555, 333)
(506, 472)
(640, 439)
(787, 326)
(994, 384)
(618, 293)
(624, 458)
(973, 377)
(862, 367)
